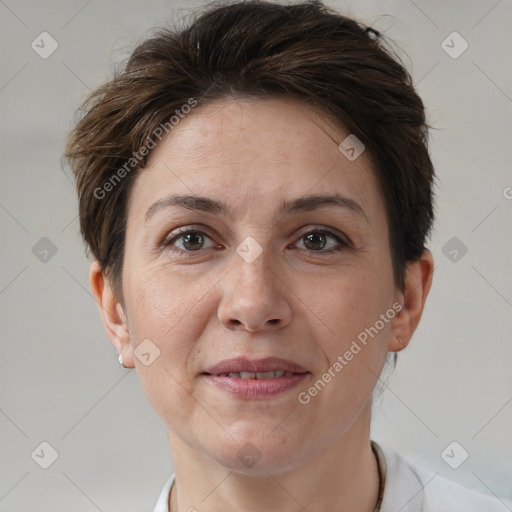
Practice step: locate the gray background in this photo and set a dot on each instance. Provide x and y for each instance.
(60, 381)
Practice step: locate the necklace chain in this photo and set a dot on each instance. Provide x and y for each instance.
(381, 467)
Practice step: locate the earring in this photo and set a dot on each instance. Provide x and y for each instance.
(120, 359)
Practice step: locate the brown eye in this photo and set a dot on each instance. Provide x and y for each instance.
(315, 241)
(190, 240)
(318, 240)
(193, 241)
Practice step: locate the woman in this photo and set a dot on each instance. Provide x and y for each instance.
(257, 192)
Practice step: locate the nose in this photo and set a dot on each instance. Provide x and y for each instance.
(254, 297)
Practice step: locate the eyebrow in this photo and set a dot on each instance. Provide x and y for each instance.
(294, 206)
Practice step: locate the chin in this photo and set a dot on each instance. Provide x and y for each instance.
(258, 456)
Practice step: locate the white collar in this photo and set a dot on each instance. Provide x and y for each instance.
(162, 505)
(405, 484)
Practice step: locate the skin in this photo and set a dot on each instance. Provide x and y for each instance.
(294, 301)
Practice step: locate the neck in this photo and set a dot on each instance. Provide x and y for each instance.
(342, 477)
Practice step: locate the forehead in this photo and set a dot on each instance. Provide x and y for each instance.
(248, 152)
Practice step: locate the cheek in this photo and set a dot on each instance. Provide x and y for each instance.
(161, 312)
(171, 308)
(347, 302)
(350, 331)
(167, 312)
(162, 303)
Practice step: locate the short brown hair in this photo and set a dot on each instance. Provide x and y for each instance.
(256, 48)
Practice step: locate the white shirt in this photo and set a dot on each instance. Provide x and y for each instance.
(410, 488)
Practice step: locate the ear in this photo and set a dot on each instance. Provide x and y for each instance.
(111, 311)
(417, 286)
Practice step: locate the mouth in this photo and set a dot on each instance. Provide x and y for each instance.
(255, 375)
(245, 368)
(252, 379)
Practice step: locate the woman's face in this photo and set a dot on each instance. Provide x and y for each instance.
(254, 281)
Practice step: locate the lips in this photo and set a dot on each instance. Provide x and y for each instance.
(246, 367)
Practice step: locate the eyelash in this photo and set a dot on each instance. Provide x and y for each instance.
(167, 243)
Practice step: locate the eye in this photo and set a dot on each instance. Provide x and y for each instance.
(192, 240)
(317, 240)
(189, 241)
